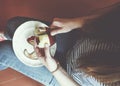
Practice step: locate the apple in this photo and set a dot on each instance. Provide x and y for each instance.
(42, 35)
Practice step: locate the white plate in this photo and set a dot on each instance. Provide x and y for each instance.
(20, 43)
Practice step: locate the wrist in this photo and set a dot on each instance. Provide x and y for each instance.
(57, 68)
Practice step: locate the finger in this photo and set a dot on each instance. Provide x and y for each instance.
(37, 49)
(38, 52)
(47, 52)
(56, 24)
(39, 55)
(35, 43)
(56, 31)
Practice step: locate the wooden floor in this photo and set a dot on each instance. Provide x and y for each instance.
(9, 77)
(44, 10)
(48, 9)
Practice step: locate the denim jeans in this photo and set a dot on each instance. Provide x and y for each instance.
(40, 74)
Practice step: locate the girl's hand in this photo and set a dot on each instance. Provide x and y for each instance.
(46, 60)
(65, 25)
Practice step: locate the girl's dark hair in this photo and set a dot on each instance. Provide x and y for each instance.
(102, 50)
(107, 25)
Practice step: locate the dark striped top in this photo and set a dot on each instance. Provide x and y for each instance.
(90, 46)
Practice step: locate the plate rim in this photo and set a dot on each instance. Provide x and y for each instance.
(13, 42)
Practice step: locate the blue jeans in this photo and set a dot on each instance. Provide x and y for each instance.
(40, 74)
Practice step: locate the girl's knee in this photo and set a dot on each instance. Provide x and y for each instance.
(5, 45)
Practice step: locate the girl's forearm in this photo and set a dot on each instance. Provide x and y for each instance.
(79, 22)
(63, 78)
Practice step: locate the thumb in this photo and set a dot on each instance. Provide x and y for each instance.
(56, 31)
(47, 51)
(56, 24)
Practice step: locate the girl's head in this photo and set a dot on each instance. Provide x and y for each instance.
(98, 54)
